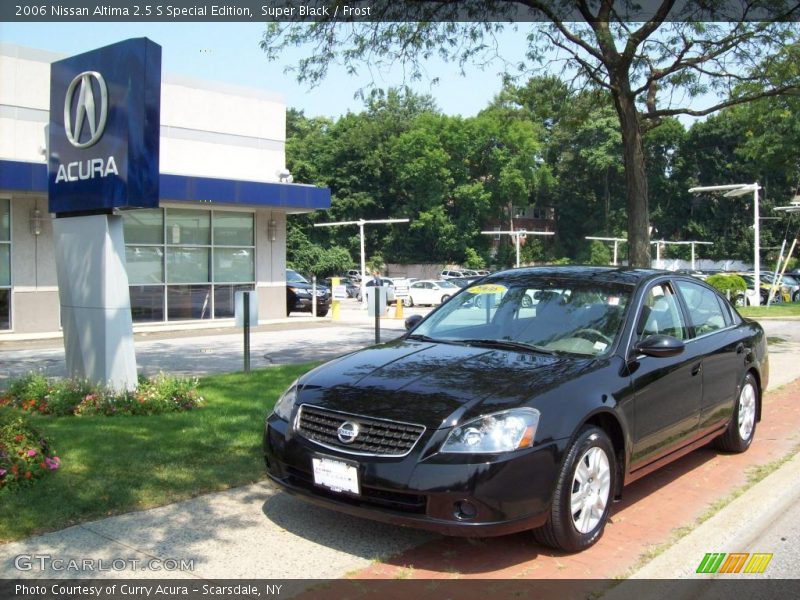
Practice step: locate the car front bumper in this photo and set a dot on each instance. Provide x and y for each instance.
(502, 493)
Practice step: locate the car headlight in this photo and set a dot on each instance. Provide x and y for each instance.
(285, 404)
(300, 291)
(499, 432)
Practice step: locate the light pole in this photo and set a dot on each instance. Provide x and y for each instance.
(361, 223)
(519, 233)
(616, 241)
(732, 191)
(691, 243)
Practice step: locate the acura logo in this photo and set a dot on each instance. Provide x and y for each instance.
(347, 432)
(81, 92)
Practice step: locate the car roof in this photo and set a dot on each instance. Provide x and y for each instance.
(615, 275)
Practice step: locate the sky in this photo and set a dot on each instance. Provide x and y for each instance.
(229, 53)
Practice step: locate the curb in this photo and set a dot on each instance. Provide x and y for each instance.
(732, 529)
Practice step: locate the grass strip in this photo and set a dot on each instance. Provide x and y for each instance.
(114, 465)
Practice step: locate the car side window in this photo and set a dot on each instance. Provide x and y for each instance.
(660, 314)
(706, 314)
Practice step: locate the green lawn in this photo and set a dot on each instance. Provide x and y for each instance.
(112, 465)
(779, 310)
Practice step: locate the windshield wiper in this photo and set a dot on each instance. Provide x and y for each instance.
(509, 345)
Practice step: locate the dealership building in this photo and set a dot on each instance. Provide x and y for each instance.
(224, 196)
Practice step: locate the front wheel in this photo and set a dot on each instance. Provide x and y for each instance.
(742, 427)
(408, 301)
(581, 501)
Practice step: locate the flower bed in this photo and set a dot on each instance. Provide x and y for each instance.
(25, 455)
(35, 393)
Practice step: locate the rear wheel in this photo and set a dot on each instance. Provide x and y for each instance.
(445, 298)
(742, 427)
(581, 501)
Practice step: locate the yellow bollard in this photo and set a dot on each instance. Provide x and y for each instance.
(398, 308)
(335, 304)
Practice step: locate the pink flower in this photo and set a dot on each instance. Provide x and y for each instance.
(3, 472)
(31, 453)
(52, 463)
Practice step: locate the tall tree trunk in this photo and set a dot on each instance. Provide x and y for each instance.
(635, 180)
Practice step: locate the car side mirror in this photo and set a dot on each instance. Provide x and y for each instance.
(412, 322)
(660, 346)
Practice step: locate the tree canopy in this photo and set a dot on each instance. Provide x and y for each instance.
(650, 61)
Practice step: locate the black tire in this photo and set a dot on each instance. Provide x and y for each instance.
(445, 298)
(796, 296)
(560, 531)
(526, 301)
(322, 313)
(740, 300)
(407, 301)
(740, 433)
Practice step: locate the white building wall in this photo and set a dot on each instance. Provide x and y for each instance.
(207, 130)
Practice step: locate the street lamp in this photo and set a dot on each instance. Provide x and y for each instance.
(616, 241)
(361, 223)
(732, 191)
(691, 243)
(518, 234)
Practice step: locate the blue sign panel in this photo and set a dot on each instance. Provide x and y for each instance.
(105, 112)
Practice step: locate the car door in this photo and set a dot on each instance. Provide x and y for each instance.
(417, 292)
(723, 353)
(667, 390)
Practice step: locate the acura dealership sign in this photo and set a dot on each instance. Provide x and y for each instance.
(104, 129)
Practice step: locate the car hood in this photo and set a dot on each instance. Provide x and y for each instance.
(434, 384)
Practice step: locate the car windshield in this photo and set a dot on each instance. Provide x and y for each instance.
(295, 277)
(558, 317)
(445, 283)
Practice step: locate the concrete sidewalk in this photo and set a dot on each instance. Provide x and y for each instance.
(257, 532)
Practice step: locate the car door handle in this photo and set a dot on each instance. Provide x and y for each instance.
(697, 368)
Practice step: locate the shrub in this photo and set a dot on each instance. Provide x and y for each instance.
(729, 285)
(25, 455)
(156, 395)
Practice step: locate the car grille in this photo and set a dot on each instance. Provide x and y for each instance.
(376, 437)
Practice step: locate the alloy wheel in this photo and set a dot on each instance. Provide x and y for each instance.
(591, 488)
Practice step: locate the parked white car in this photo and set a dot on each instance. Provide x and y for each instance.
(428, 291)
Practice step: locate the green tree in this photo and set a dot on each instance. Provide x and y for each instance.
(644, 60)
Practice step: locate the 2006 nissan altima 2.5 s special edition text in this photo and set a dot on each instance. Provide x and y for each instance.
(526, 401)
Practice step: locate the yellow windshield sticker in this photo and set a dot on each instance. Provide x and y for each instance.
(488, 288)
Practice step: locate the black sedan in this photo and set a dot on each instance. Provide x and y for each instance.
(300, 295)
(530, 409)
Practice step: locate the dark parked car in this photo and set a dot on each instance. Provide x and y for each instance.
(505, 415)
(298, 295)
(351, 287)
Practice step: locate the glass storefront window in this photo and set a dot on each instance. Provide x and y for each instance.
(233, 228)
(5, 309)
(5, 220)
(187, 264)
(209, 254)
(143, 226)
(145, 264)
(5, 264)
(147, 303)
(234, 265)
(188, 302)
(224, 298)
(188, 227)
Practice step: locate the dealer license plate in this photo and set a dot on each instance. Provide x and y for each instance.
(335, 475)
